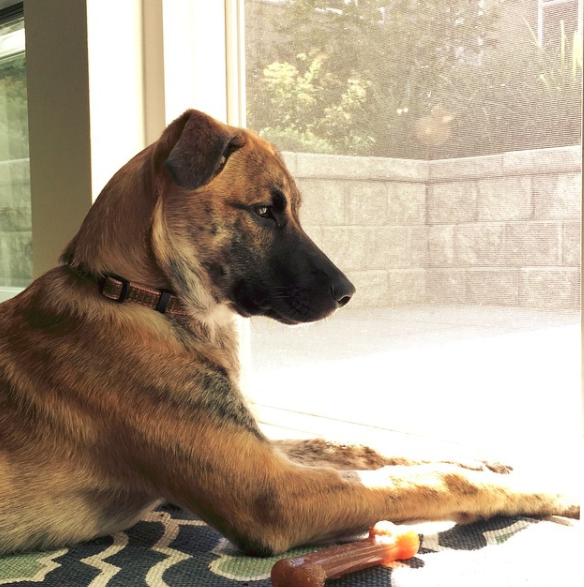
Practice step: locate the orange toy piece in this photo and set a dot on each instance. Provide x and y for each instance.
(386, 543)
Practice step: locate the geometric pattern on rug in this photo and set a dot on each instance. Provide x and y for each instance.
(169, 548)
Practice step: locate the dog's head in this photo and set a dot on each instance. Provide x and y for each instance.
(224, 227)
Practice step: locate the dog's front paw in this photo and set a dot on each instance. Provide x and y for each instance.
(496, 467)
(571, 511)
(493, 466)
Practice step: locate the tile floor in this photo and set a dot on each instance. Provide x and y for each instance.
(472, 381)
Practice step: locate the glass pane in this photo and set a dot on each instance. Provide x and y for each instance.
(438, 149)
(15, 210)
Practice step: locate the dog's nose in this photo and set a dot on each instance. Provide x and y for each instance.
(342, 292)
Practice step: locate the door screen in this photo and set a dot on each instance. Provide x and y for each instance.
(437, 147)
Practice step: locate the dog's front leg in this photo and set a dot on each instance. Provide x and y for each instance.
(266, 504)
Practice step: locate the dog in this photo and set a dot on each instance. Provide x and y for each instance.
(119, 370)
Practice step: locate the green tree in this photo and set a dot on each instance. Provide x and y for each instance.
(310, 107)
(381, 66)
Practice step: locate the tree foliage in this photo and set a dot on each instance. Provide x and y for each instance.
(405, 78)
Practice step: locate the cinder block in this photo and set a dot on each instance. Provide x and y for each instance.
(452, 202)
(4, 263)
(14, 184)
(446, 286)
(401, 246)
(441, 246)
(406, 203)
(398, 169)
(15, 220)
(372, 290)
(487, 166)
(290, 160)
(366, 203)
(391, 244)
(5, 186)
(406, 286)
(479, 245)
(315, 233)
(556, 159)
(16, 259)
(493, 286)
(505, 198)
(571, 244)
(531, 244)
(418, 246)
(353, 248)
(558, 196)
(323, 202)
(332, 166)
(550, 289)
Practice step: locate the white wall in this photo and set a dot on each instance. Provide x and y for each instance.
(194, 48)
(116, 85)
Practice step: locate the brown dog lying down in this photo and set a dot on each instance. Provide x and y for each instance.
(119, 369)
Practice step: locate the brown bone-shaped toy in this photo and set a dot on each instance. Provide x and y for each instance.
(385, 543)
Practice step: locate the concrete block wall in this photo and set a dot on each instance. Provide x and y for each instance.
(502, 229)
(15, 224)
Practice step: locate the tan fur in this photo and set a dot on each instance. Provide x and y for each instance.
(106, 407)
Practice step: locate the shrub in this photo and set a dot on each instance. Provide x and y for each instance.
(413, 78)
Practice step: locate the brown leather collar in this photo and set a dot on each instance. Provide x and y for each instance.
(121, 290)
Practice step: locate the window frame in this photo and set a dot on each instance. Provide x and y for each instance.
(68, 172)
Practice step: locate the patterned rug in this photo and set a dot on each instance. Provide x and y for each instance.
(170, 548)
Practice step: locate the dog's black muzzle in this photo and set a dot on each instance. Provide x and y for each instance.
(296, 283)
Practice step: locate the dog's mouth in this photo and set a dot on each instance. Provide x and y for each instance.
(284, 317)
(287, 318)
(245, 306)
(293, 305)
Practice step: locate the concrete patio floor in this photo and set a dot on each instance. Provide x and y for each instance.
(467, 381)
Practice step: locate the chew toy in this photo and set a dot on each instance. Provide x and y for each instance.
(386, 543)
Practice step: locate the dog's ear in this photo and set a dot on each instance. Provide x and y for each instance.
(201, 150)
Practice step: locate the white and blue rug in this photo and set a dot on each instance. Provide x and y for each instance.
(170, 548)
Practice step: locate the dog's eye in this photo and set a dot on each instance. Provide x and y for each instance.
(269, 213)
(263, 211)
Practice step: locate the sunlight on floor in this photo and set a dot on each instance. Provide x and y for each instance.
(498, 380)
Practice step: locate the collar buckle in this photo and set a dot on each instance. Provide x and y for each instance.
(109, 284)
